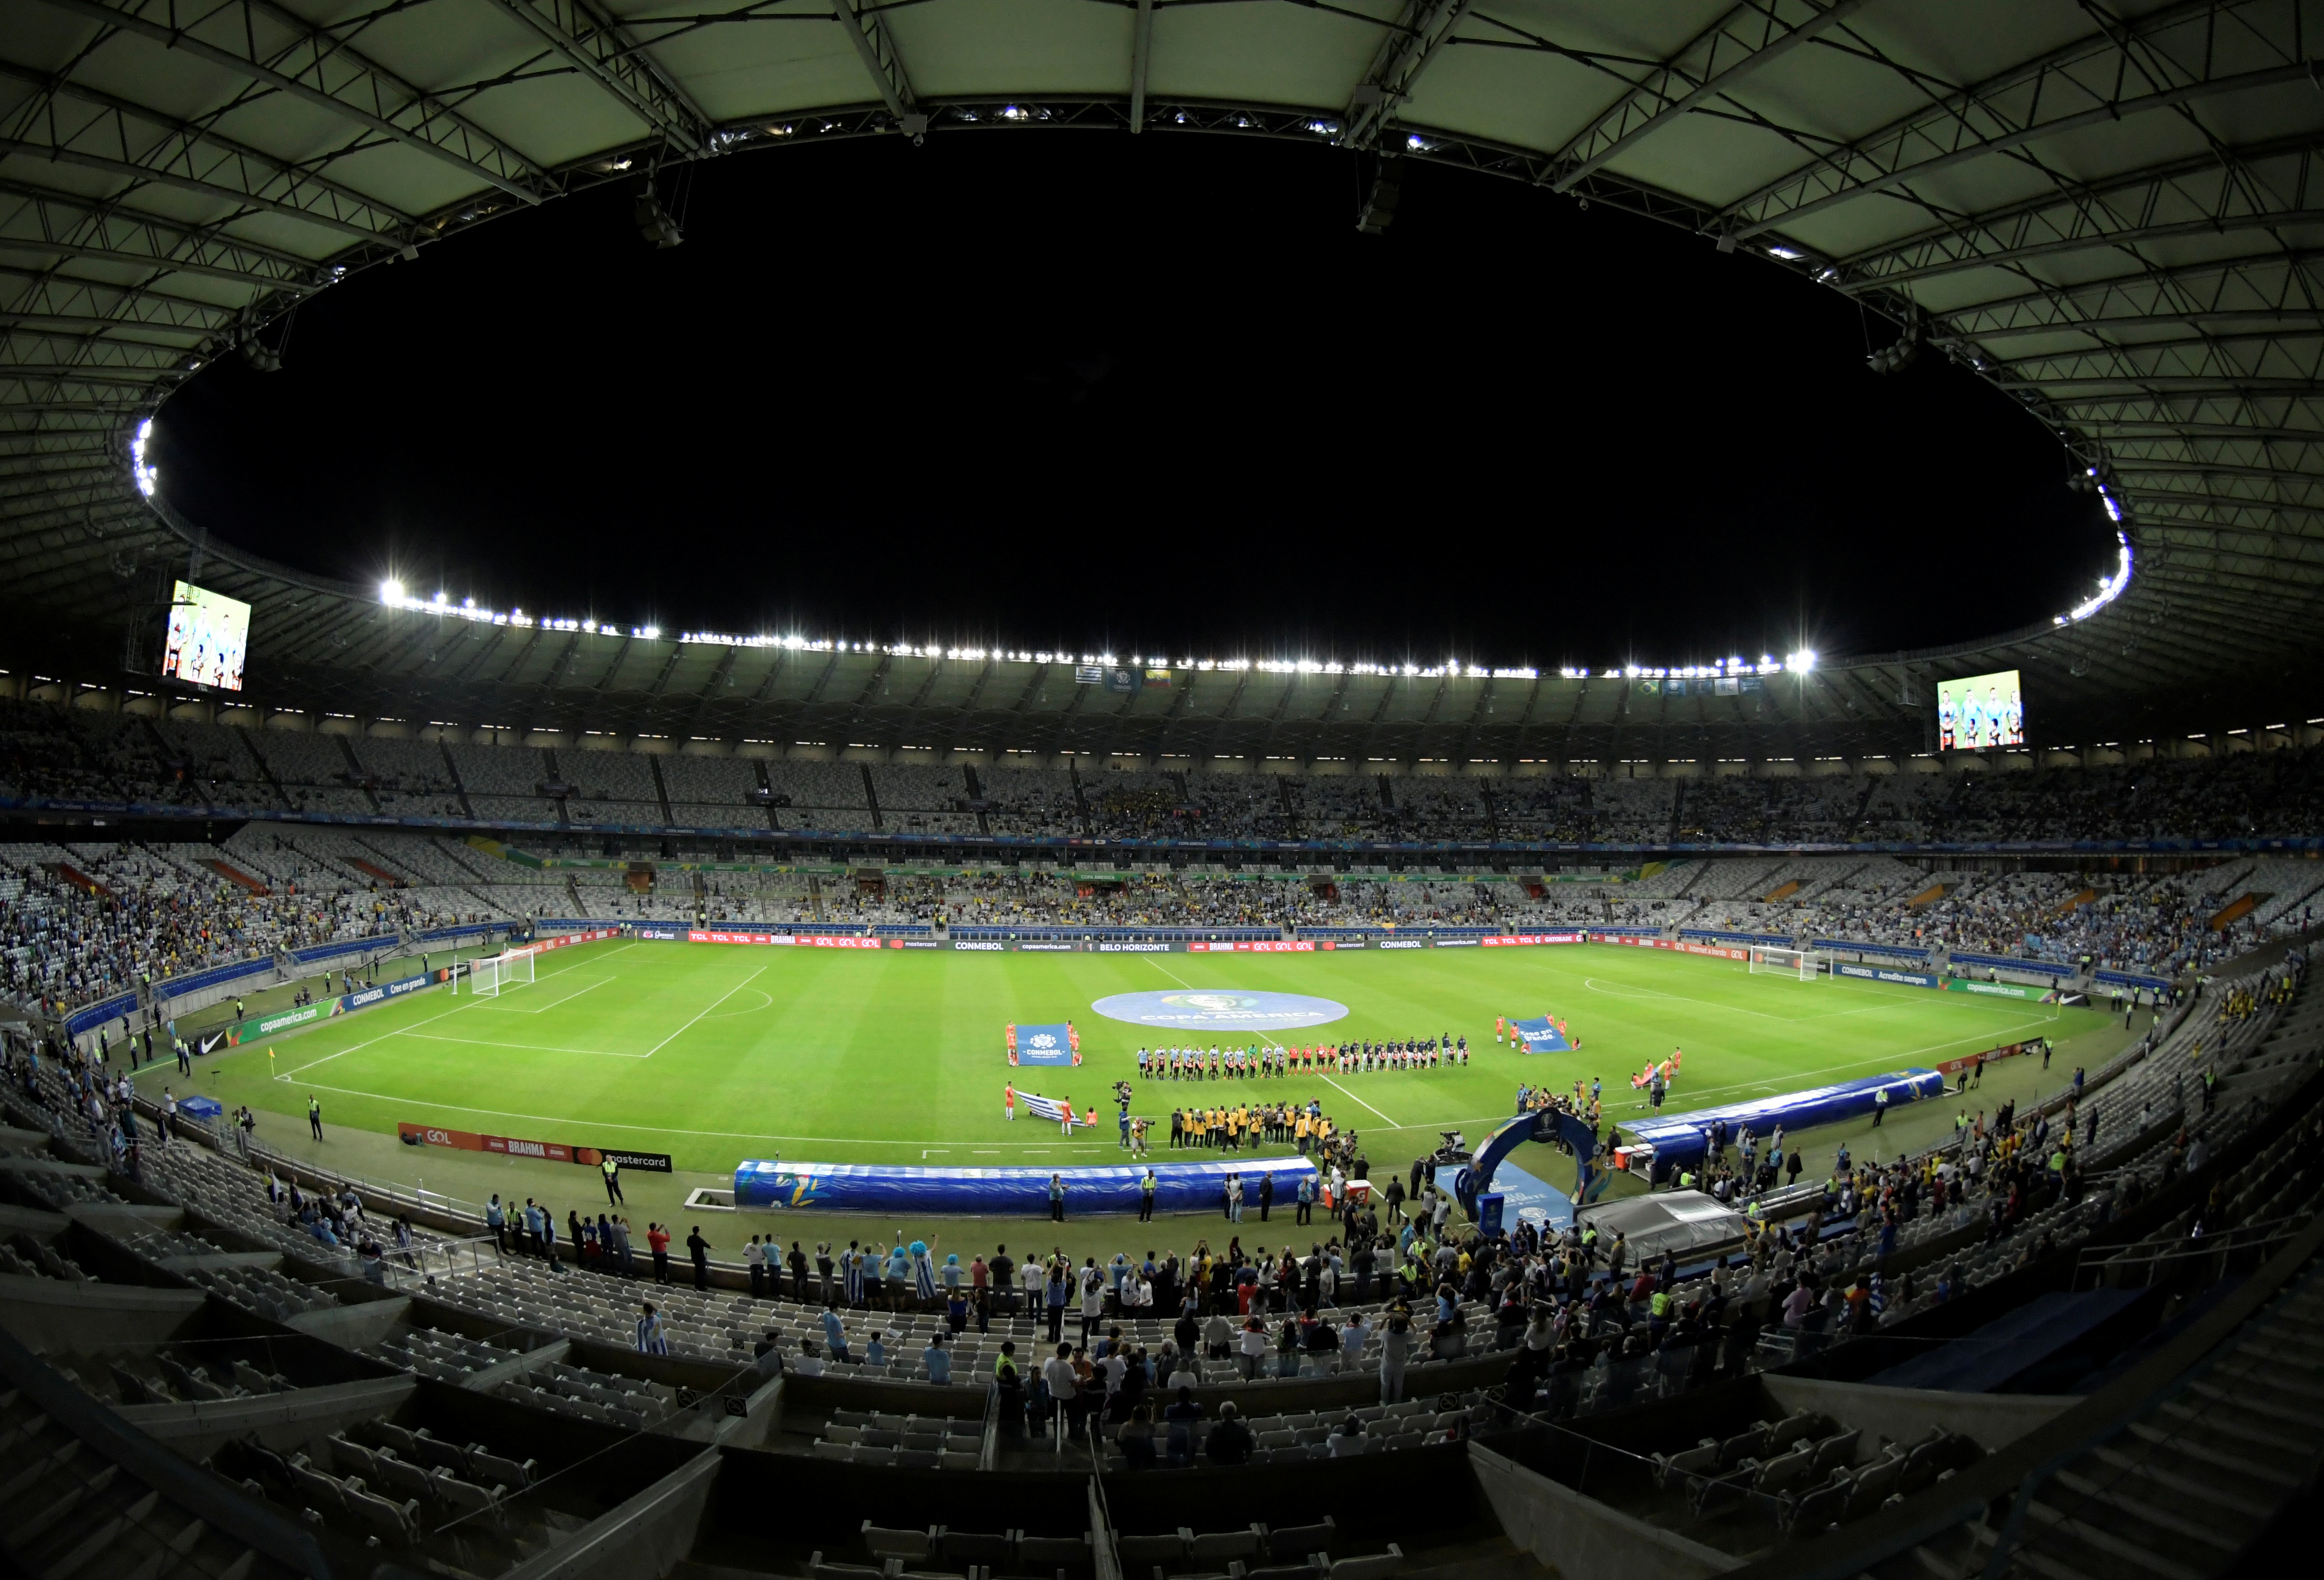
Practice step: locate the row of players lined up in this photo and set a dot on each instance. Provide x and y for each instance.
(1194, 1064)
(1229, 1129)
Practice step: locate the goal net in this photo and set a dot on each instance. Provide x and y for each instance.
(1773, 962)
(488, 974)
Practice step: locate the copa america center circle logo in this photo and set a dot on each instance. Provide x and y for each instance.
(1228, 1009)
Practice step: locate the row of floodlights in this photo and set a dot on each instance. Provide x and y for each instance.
(1798, 663)
(2110, 588)
(393, 593)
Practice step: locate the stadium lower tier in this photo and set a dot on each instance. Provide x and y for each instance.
(245, 1367)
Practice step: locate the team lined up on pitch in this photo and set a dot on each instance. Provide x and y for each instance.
(1252, 1063)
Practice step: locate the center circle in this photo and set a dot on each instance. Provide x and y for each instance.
(1220, 1009)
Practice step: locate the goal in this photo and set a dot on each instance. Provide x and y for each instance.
(488, 974)
(1771, 962)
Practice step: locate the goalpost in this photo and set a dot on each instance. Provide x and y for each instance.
(488, 974)
(1769, 961)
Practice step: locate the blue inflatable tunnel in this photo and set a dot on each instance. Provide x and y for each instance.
(885, 1187)
(1683, 1138)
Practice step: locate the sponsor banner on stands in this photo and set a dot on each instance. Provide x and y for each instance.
(1626, 938)
(1456, 943)
(1884, 974)
(1511, 939)
(385, 991)
(430, 1135)
(567, 940)
(243, 1031)
(1038, 946)
(267, 1025)
(1954, 1067)
(2001, 990)
(1718, 951)
(918, 944)
(1256, 947)
(644, 1162)
(798, 940)
(1137, 948)
(981, 946)
(1401, 944)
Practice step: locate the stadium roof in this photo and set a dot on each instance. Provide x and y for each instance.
(2111, 213)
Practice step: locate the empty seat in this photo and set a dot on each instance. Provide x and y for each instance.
(883, 1541)
(1377, 1567)
(1141, 1553)
(1297, 1541)
(1216, 1546)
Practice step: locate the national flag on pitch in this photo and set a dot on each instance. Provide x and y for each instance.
(1041, 1107)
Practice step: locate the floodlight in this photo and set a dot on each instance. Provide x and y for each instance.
(653, 221)
(390, 591)
(1898, 355)
(1379, 211)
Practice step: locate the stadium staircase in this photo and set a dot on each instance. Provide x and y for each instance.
(453, 770)
(1081, 799)
(661, 789)
(564, 787)
(871, 796)
(188, 782)
(236, 875)
(1290, 807)
(2168, 1472)
(767, 787)
(249, 740)
(357, 774)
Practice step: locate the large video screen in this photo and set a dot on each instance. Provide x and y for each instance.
(1978, 711)
(209, 634)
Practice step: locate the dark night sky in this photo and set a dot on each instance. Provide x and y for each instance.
(1081, 389)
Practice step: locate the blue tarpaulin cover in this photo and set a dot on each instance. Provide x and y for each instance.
(1683, 1138)
(884, 1187)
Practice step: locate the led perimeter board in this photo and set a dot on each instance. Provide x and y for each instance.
(1978, 711)
(209, 634)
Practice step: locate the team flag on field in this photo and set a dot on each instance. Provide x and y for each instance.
(1052, 1044)
(1041, 1107)
(1540, 1035)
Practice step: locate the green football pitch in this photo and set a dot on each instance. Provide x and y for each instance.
(719, 1053)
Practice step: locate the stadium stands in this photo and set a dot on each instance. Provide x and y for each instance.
(509, 1384)
(83, 756)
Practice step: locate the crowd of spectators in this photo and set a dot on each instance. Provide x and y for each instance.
(85, 755)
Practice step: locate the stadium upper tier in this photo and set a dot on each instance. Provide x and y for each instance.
(2110, 216)
(2246, 786)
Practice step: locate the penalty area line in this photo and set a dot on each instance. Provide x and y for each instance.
(1352, 1097)
(713, 1004)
